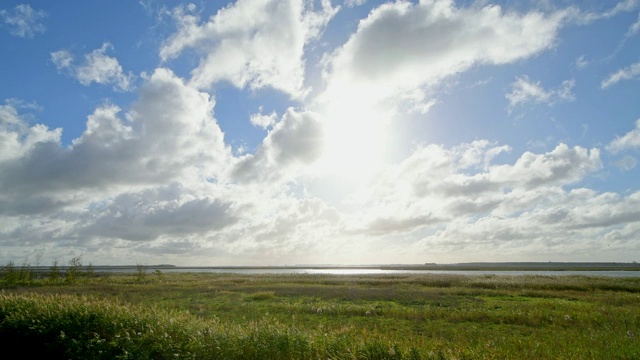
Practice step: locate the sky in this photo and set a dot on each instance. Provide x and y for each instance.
(282, 132)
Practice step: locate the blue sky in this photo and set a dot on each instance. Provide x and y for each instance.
(263, 132)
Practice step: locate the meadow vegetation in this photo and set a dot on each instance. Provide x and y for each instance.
(229, 316)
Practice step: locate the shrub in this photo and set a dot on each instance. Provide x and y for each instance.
(73, 272)
(263, 295)
(54, 272)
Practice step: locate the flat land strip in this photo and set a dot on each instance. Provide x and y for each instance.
(202, 315)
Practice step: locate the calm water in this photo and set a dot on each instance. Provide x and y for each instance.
(357, 271)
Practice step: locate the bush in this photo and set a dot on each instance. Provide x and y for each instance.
(263, 295)
(12, 276)
(73, 272)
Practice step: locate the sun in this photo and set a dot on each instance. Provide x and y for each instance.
(356, 138)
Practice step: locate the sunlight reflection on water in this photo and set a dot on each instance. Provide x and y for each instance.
(369, 271)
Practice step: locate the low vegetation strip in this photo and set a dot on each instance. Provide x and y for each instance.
(79, 327)
(230, 316)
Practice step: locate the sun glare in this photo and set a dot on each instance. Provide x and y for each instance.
(355, 139)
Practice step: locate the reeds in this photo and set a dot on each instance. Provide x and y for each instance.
(230, 316)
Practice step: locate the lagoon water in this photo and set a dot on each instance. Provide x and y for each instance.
(370, 271)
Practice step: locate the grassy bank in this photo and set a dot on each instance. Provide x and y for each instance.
(230, 316)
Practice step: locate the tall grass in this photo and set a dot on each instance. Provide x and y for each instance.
(229, 316)
(80, 327)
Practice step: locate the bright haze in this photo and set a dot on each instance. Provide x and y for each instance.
(273, 132)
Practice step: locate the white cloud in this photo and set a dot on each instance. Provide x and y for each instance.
(169, 135)
(551, 228)
(62, 59)
(634, 28)
(16, 137)
(627, 163)
(354, 3)
(150, 183)
(581, 62)
(627, 73)
(98, 67)
(262, 120)
(251, 43)
(293, 144)
(622, 6)
(24, 21)
(172, 205)
(561, 166)
(449, 204)
(157, 183)
(279, 227)
(630, 140)
(153, 174)
(586, 17)
(166, 211)
(402, 47)
(9, 115)
(526, 91)
(436, 185)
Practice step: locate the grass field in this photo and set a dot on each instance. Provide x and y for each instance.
(229, 316)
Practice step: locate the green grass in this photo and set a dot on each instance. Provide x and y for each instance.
(230, 316)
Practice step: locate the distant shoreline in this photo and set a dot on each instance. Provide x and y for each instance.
(477, 266)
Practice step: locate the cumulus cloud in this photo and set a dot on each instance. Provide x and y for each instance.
(62, 59)
(443, 201)
(403, 47)
(562, 166)
(525, 91)
(627, 73)
(23, 21)
(151, 181)
(173, 205)
(549, 229)
(97, 67)
(294, 143)
(157, 180)
(282, 227)
(629, 140)
(168, 134)
(166, 211)
(250, 43)
(152, 174)
(262, 120)
(17, 137)
(436, 185)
